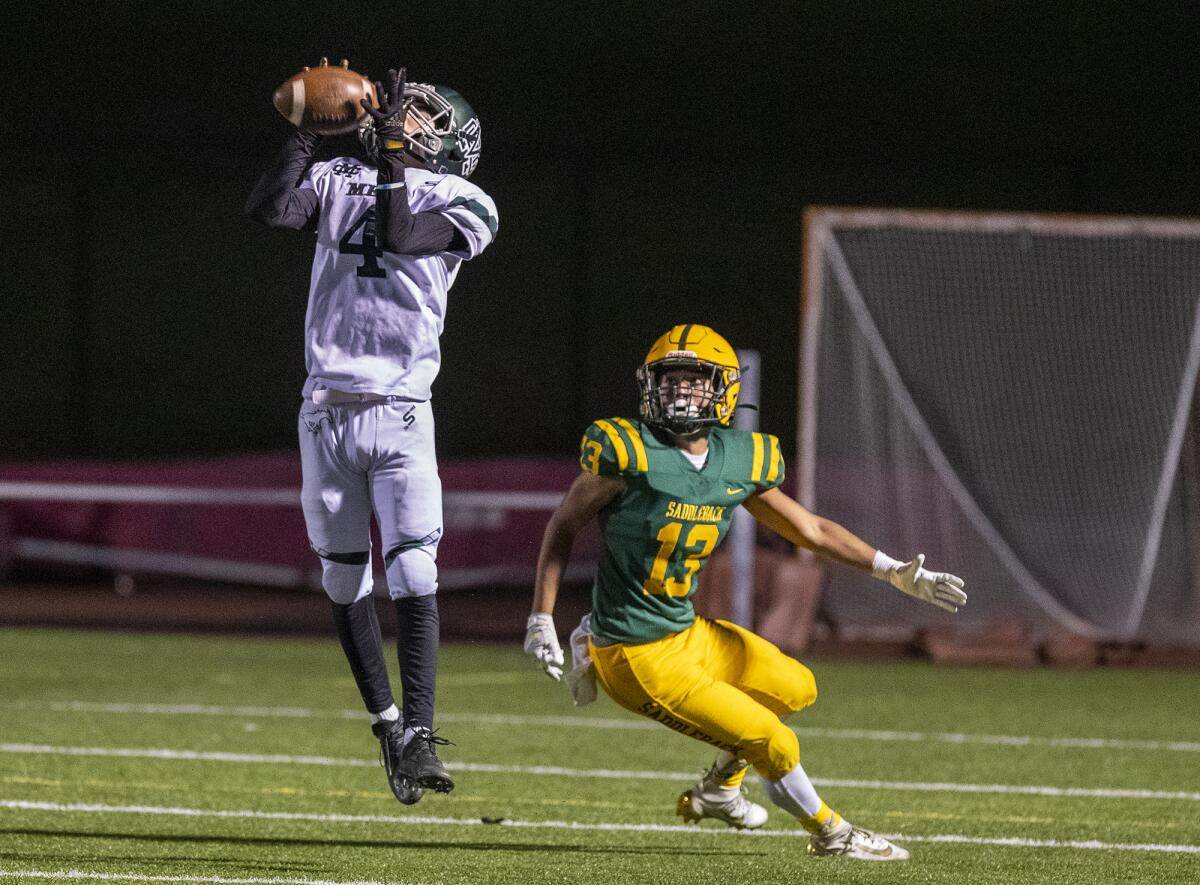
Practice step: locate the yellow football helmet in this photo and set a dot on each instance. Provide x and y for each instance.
(685, 401)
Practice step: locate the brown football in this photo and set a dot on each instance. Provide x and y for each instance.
(325, 99)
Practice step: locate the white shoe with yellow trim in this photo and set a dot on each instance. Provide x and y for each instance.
(847, 840)
(738, 812)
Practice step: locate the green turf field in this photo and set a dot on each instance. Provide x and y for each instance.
(168, 758)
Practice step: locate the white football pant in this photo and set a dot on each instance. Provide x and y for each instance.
(360, 458)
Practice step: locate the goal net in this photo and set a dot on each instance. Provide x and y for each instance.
(1010, 395)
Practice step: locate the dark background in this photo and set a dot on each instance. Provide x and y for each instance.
(651, 163)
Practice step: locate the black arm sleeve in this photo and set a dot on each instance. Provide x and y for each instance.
(277, 200)
(397, 229)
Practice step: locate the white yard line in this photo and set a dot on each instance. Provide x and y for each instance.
(184, 755)
(1015, 842)
(862, 734)
(92, 875)
(556, 825)
(194, 710)
(586, 773)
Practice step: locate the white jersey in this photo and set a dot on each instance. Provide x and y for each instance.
(374, 317)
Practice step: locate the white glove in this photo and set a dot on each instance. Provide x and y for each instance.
(939, 588)
(581, 678)
(541, 641)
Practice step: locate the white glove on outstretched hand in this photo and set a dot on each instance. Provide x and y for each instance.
(541, 641)
(939, 588)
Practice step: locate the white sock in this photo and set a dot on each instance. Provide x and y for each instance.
(391, 714)
(795, 794)
(724, 760)
(711, 787)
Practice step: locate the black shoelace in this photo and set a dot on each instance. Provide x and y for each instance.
(432, 737)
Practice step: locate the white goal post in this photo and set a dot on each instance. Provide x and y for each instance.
(1009, 394)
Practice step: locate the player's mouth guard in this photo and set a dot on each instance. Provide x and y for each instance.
(683, 408)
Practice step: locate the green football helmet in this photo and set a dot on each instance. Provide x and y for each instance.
(442, 130)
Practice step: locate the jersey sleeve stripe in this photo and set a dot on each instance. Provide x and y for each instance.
(618, 444)
(775, 456)
(756, 470)
(639, 450)
(477, 209)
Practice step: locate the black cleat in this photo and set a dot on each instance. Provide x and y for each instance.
(420, 763)
(391, 741)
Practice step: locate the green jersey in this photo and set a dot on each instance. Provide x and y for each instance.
(671, 516)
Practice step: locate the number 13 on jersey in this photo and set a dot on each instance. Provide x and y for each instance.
(699, 543)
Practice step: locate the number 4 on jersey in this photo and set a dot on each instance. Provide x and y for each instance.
(366, 246)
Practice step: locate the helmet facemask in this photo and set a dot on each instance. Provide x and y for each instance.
(430, 121)
(436, 134)
(684, 394)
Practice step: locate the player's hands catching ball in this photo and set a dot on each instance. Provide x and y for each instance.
(541, 641)
(938, 588)
(389, 116)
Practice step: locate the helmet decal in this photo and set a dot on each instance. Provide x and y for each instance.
(683, 336)
(469, 142)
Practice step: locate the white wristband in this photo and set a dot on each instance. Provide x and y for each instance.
(882, 564)
(391, 186)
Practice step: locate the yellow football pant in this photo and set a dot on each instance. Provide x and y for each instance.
(717, 683)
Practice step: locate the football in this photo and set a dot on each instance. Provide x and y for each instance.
(325, 99)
